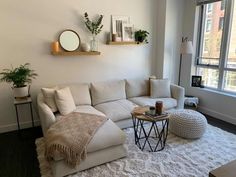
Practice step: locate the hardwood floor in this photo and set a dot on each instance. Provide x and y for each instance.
(18, 157)
(221, 124)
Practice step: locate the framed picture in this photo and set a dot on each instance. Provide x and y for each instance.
(117, 22)
(196, 81)
(127, 32)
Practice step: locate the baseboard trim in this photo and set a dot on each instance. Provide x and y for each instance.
(224, 117)
(23, 125)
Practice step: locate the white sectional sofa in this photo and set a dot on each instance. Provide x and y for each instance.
(114, 99)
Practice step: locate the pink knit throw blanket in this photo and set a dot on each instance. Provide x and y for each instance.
(70, 136)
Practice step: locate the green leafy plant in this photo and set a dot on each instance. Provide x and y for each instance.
(19, 76)
(141, 36)
(95, 27)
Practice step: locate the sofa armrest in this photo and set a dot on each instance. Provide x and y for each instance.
(178, 93)
(47, 118)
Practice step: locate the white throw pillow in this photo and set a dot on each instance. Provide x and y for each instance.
(160, 88)
(49, 97)
(65, 101)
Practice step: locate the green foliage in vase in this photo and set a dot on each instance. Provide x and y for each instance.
(95, 27)
(141, 36)
(18, 76)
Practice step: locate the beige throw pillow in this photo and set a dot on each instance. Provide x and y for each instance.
(49, 97)
(65, 101)
(160, 88)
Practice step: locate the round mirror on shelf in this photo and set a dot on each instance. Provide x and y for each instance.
(69, 40)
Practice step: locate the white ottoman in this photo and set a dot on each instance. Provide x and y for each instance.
(187, 123)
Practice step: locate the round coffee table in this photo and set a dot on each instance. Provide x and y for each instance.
(153, 135)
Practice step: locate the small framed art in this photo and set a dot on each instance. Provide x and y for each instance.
(127, 32)
(117, 23)
(196, 81)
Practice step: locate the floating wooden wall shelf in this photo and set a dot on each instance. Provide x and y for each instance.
(74, 53)
(123, 43)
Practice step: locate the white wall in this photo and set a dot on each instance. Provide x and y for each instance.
(219, 105)
(28, 27)
(173, 36)
(161, 24)
(170, 15)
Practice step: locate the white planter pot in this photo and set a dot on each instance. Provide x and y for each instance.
(21, 92)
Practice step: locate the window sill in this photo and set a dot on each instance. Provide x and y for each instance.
(207, 89)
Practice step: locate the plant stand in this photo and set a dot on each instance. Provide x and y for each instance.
(18, 102)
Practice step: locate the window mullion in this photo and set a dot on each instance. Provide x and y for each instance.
(225, 43)
(230, 69)
(201, 30)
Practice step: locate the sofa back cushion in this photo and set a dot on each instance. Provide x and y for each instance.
(160, 88)
(102, 92)
(80, 93)
(137, 87)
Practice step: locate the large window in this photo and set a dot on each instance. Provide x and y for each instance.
(216, 49)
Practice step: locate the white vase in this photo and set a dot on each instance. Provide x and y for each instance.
(85, 47)
(21, 92)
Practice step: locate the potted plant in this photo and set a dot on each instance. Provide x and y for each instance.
(141, 36)
(19, 77)
(95, 27)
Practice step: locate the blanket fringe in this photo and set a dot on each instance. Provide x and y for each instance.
(70, 136)
(71, 157)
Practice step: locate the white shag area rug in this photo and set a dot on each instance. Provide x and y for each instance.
(180, 158)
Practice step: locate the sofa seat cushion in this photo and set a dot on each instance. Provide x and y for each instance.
(108, 135)
(84, 109)
(89, 110)
(168, 103)
(117, 110)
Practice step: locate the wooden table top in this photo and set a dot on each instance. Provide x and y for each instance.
(139, 113)
(227, 170)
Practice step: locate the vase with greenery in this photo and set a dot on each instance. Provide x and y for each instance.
(141, 36)
(19, 77)
(95, 27)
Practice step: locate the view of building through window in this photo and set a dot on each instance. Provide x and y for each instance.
(210, 56)
(212, 35)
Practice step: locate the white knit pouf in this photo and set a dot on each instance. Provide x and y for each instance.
(187, 123)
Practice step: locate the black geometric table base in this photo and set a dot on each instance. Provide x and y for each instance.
(153, 136)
